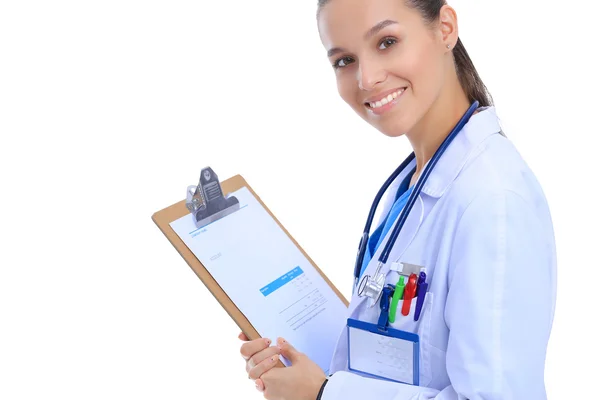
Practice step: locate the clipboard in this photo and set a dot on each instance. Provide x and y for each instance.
(164, 217)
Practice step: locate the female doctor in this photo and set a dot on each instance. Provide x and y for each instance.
(478, 226)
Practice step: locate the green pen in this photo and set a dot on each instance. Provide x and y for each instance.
(398, 292)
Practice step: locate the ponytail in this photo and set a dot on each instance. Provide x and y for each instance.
(469, 78)
(467, 74)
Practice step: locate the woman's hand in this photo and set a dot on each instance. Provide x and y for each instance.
(260, 357)
(300, 381)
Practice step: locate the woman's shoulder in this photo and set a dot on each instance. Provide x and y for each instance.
(495, 172)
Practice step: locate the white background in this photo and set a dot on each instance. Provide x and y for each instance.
(109, 109)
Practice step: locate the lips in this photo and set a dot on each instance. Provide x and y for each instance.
(385, 101)
(382, 100)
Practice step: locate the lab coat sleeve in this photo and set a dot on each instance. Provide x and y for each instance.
(499, 309)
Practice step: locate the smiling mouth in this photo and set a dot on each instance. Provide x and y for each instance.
(385, 100)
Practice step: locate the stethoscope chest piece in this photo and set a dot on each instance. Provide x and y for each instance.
(372, 287)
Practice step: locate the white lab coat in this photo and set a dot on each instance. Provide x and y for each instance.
(482, 228)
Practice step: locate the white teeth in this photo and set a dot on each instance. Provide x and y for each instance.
(386, 100)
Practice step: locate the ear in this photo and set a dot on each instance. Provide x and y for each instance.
(448, 26)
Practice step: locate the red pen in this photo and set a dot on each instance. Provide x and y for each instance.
(409, 293)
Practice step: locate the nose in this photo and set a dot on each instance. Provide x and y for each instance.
(369, 74)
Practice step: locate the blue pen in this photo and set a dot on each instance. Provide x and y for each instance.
(421, 291)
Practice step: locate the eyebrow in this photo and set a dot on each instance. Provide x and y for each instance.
(379, 26)
(371, 32)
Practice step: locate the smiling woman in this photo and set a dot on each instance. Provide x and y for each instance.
(404, 52)
(465, 225)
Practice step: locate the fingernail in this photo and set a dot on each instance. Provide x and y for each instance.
(273, 359)
(268, 341)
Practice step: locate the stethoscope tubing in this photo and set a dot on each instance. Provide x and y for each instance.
(383, 257)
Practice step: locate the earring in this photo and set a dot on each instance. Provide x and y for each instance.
(448, 46)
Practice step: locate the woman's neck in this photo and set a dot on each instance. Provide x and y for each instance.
(429, 133)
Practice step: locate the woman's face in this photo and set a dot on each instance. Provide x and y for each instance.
(388, 64)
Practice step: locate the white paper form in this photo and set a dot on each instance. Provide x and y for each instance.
(268, 278)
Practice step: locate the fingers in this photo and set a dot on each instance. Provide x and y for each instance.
(289, 351)
(263, 366)
(260, 357)
(260, 386)
(252, 347)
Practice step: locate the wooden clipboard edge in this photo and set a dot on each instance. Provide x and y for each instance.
(164, 217)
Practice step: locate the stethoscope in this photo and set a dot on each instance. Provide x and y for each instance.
(372, 287)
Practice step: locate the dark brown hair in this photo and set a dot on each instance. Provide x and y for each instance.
(467, 74)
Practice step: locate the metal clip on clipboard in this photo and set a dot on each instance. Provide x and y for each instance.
(206, 202)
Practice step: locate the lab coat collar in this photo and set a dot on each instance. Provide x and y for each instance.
(479, 127)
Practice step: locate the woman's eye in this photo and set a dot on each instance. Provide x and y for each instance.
(342, 62)
(386, 43)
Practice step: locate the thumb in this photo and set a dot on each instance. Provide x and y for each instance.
(288, 351)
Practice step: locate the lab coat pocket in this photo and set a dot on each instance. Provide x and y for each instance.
(422, 327)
